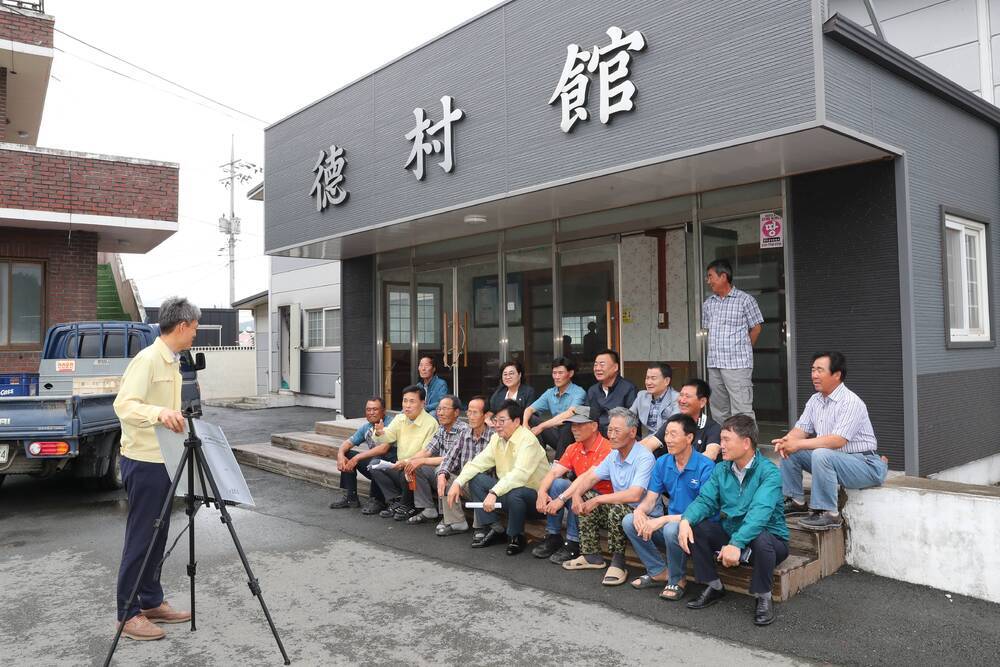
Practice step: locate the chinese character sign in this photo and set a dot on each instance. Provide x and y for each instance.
(328, 187)
(611, 63)
(423, 129)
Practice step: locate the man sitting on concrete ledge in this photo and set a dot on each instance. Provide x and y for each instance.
(520, 463)
(556, 403)
(470, 442)
(745, 491)
(422, 467)
(680, 474)
(844, 451)
(410, 431)
(588, 450)
(350, 463)
(691, 401)
(628, 468)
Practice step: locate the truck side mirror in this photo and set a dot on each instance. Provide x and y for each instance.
(199, 361)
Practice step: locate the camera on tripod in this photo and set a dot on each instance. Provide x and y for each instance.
(190, 389)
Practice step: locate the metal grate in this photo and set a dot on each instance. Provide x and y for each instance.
(32, 5)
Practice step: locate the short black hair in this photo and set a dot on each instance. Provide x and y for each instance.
(690, 427)
(515, 363)
(478, 397)
(664, 367)
(701, 387)
(512, 408)
(415, 389)
(377, 399)
(565, 362)
(611, 353)
(743, 426)
(429, 358)
(455, 401)
(838, 363)
(722, 267)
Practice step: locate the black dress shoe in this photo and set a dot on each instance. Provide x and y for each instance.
(489, 538)
(708, 597)
(344, 502)
(516, 545)
(548, 547)
(764, 614)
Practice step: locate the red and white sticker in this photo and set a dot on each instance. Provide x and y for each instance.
(65, 365)
(772, 231)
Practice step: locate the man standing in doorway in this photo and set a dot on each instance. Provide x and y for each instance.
(150, 394)
(733, 320)
(434, 387)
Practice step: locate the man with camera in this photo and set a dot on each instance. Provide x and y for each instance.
(150, 394)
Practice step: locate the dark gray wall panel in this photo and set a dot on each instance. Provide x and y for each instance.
(709, 75)
(358, 315)
(959, 417)
(953, 159)
(846, 285)
(319, 373)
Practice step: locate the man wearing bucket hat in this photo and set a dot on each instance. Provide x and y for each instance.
(588, 450)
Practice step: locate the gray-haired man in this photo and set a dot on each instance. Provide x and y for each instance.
(150, 394)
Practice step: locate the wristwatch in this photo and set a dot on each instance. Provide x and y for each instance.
(560, 498)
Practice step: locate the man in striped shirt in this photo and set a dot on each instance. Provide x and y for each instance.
(843, 451)
(733, 320)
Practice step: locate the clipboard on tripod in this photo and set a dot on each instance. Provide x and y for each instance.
(219, 457)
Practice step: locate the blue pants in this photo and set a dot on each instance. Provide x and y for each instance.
(518, 503)
(147, 485)
(553, 524)
(651, 551)
(830, 467)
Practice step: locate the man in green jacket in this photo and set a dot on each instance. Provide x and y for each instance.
(745, 491)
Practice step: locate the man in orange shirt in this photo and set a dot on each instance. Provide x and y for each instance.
(589, 449)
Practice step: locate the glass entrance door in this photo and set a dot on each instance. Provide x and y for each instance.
(759, 272)
(436, 323)
(528, 307)
(588, 275)
(478, 314)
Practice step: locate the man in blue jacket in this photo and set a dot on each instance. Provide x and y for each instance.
(434, 387)
(745, 490)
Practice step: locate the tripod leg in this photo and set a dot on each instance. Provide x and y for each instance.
(149, 550)
(192, 567)
(228, 521)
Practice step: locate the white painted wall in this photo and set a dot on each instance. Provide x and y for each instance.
(230, 372)
(984, 472)
(945, 537)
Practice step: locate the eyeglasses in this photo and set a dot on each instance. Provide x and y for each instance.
(500, 421)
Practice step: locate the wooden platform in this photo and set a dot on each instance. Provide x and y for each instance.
(311, 456)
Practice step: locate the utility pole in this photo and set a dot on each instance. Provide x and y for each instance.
(241, 171)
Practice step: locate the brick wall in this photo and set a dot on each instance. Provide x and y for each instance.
(70, 280)
(46, 181)
(3, 104)
(33, 29)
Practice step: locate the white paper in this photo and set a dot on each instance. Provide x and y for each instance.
(382, 465)
(218, 456)
(479, 506)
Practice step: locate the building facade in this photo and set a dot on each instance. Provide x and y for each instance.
(59, 209)
(553, 178)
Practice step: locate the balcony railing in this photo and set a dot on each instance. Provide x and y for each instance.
(32, 5)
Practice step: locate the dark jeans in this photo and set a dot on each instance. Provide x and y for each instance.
(557, 437)
(349, 480)
(519, 504)
(147, 485)
(767, 552)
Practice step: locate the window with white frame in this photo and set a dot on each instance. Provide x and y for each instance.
(428, 314)
(968, 291)
(323, 328)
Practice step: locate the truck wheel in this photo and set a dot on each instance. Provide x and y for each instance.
(111, 480)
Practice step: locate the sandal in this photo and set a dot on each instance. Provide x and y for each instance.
(616, 576)
(646, 581)
(673, 592)
(581, 563)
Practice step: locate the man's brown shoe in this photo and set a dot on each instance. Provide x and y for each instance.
(139, 628)
(166, 614)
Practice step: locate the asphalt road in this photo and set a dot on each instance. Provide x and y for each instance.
(348, 589)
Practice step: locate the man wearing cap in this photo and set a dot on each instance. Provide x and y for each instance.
(588, 450)
(628, 468)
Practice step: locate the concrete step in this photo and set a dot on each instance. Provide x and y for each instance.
(341, 429)
(308, 442)
(295, 464)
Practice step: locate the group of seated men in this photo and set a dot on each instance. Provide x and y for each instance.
(666, 494)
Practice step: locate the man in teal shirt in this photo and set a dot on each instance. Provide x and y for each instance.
(745, 490)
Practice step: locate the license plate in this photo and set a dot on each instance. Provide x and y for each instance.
(4, 453)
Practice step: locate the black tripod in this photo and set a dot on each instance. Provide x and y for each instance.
(194, 460)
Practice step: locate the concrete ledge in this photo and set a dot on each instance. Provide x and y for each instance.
(931, 532)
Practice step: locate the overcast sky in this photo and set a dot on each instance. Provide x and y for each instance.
(267, 59)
